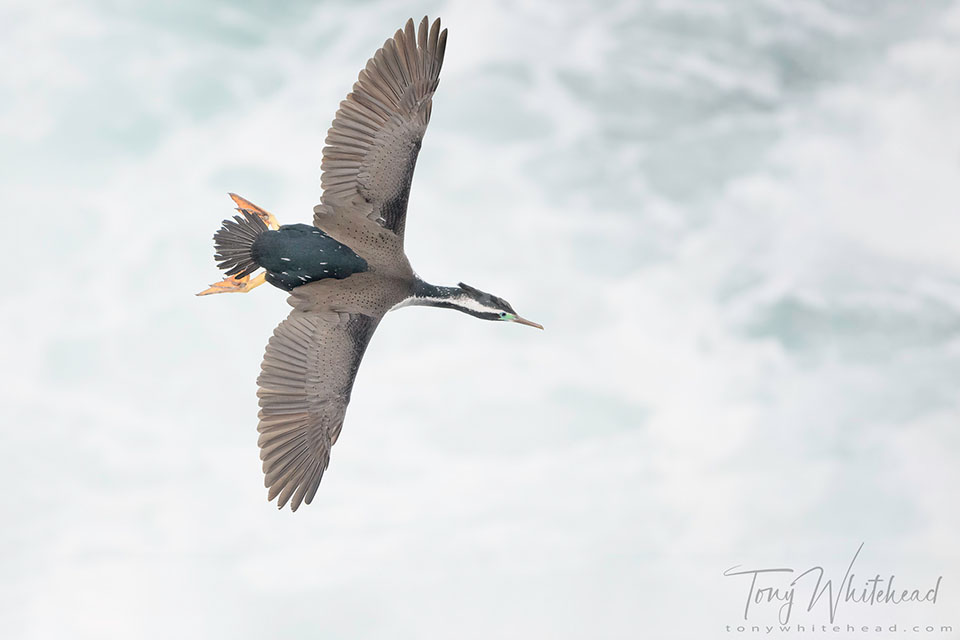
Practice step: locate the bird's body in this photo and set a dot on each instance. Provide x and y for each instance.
(348, 269)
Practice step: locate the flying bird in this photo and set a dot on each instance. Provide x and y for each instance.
(346, 270)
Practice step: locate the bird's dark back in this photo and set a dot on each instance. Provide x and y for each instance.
(296, 254)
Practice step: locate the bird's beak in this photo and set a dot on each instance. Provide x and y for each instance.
(529, 323)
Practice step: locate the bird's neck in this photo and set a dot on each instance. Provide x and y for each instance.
(431, 295)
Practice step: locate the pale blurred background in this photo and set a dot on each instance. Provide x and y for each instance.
(738, 221)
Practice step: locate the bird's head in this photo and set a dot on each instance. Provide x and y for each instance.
(488, 306)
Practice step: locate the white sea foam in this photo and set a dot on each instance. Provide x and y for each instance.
(736, 221)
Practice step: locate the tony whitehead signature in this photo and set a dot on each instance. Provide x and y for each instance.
(767, 587)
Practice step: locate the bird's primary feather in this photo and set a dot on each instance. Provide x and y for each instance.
(305, 383)
(373, 144)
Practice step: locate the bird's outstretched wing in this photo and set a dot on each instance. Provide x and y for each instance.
(305, 382)
(373, 144)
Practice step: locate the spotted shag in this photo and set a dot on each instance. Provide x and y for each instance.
(348, 269)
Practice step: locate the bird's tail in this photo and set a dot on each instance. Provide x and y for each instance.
(234, 243)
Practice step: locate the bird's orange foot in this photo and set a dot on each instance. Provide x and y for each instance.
(235, 285)
(245, 205)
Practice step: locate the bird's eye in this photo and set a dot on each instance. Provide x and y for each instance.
(503, 314)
